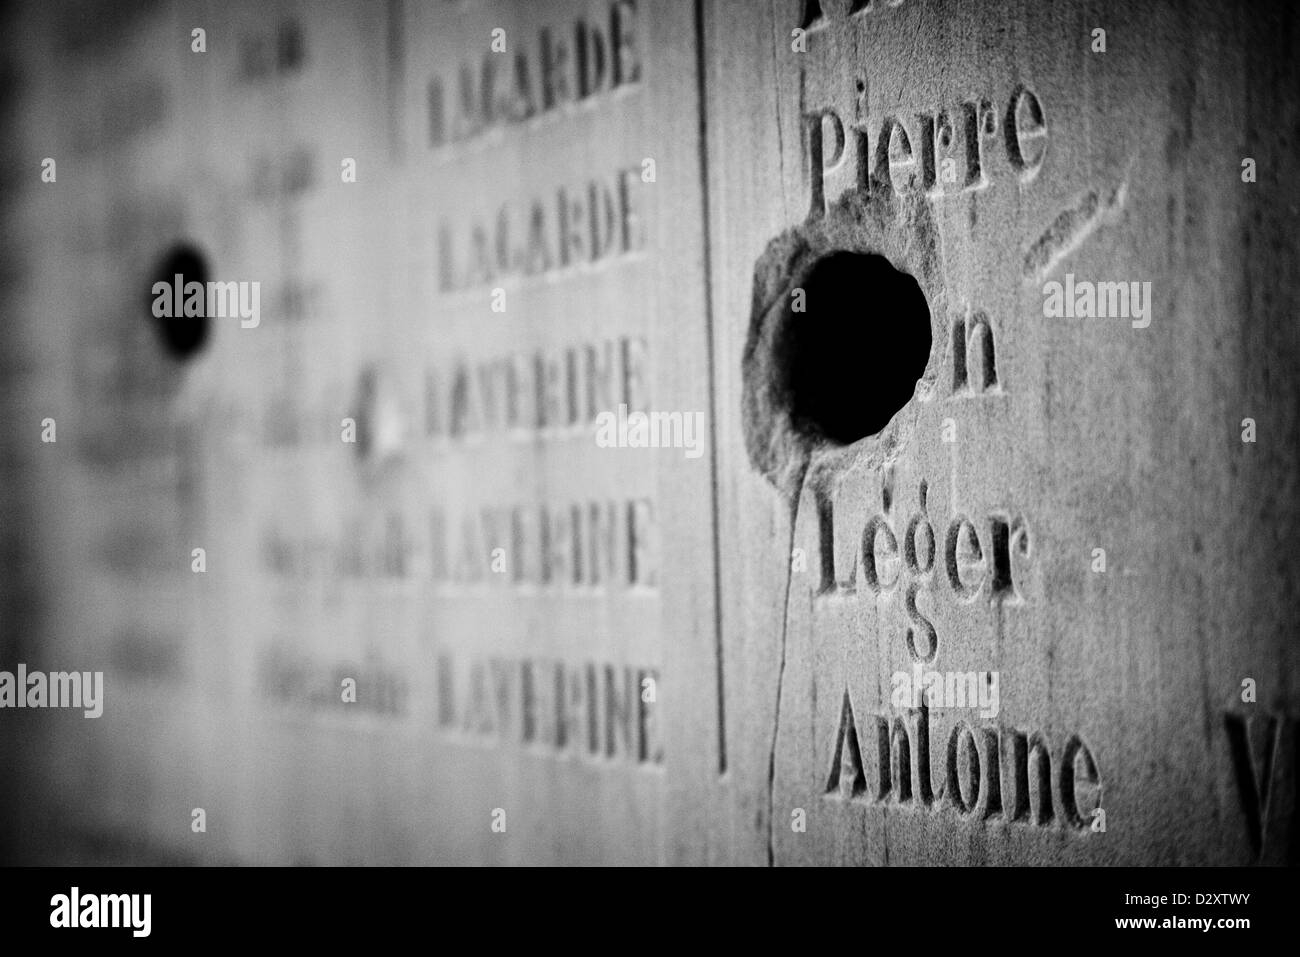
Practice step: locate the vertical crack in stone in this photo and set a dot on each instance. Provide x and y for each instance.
(839, 289)
(780, 675)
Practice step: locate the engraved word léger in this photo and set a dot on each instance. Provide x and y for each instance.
(901, 559)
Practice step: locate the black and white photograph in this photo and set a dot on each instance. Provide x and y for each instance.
(692, 434)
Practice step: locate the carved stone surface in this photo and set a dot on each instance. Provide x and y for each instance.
(670, 432)
(1066, 507)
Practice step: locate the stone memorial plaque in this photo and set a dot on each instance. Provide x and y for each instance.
(649, 432)
(1007, 430)
(438, 562)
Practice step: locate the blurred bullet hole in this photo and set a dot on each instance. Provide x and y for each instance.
(182, 336)
(289, 47)
(853, 357)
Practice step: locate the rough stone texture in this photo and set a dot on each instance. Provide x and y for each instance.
(770, 634)
(1096, 434)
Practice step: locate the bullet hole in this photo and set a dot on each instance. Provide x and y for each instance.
(182, 336)
(853, 358)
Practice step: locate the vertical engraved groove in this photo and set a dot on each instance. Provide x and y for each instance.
(707, 264)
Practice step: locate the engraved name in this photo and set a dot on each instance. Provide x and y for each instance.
(521, 396)
(596, 221)
(942, 152)
(530, 394)
(501, 88)
(581, 546)
(909, 559)
(600, 712)
(985, 772)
